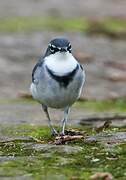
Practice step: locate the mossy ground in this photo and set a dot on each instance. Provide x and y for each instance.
(19, 159)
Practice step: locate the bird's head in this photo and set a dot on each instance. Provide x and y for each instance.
(58, 57)
(59, 45)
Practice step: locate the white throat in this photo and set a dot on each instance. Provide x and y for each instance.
(61, 63)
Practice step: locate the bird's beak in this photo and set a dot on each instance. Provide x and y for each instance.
(64, 49)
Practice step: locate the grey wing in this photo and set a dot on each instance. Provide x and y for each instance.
(36, 71)
(81, 67)
(83, 74)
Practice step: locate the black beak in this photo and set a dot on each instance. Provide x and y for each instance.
(64, 49)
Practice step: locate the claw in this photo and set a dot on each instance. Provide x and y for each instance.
(62, 133)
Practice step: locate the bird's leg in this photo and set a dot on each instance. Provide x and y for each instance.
(45, 109)
(65, 118)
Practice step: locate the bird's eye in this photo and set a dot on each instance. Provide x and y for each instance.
(52, 48)
(69, 48)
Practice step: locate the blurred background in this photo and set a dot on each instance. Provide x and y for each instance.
(96, 29)
(97, 32)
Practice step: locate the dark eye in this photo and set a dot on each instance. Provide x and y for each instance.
(52, 49)
(69, 48)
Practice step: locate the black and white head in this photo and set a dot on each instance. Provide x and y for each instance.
(58, 57)
(59, 45)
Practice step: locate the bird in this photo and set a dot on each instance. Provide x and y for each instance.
(57, 80)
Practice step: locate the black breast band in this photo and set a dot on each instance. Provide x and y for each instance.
(65, 79)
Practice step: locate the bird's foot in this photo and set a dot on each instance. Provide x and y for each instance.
(62, 133)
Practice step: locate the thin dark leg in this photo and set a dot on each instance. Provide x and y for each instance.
(45, 109)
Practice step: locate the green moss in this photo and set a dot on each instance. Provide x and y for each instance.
(117, 25)
(19, 159)
(117, 106)
(30, 24)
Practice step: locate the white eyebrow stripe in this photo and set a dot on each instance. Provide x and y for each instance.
(53, 46)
